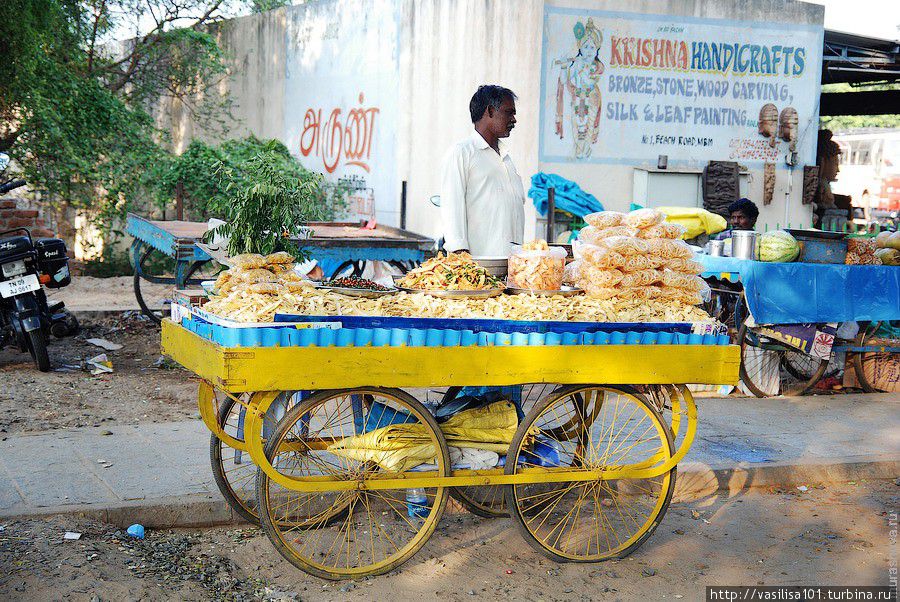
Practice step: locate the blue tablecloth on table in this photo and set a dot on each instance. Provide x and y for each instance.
(796, 293)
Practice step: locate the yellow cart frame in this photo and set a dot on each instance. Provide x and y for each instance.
(266, 371)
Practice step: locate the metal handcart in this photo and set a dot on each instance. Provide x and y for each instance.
(352, 472)
(166, 253)
(791, 341)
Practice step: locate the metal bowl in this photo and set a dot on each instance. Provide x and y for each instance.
(495, 266)
(566, 291)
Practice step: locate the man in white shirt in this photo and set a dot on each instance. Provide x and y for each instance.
(482, 197)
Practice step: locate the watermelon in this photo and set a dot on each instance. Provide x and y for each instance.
(777, 246)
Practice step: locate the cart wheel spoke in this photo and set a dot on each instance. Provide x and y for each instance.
(590, 428)
(333, 438)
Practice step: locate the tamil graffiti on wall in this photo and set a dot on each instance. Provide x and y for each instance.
(341, 89)
(627, 87)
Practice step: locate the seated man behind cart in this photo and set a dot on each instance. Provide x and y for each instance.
(742, 215)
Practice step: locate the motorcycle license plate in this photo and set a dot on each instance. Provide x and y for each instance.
(13, 268)
(25, 284)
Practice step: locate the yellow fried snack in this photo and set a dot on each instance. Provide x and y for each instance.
(685, 266)
(279, 258)
(455, 272)
(669, 249)
(640, 278)
(602, 277)
(604, 219)
(537, 267)
(255, 275)
(595, 236)
(636, 263)
(599, 256)
(663, 230)
(625, 245)
(272, 288)
(643, 218)
(248, 261)
(537, 244)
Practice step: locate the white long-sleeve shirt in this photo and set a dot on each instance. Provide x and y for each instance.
(482, 199)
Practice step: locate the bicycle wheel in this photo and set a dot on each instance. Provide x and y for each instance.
(587, 428)
(489, 501)
(315, 444)
(864, 363)
(155, 283)
(764, 366)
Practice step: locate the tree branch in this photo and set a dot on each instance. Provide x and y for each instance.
(97, 17)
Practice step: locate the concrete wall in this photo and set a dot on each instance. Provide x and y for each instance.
(446, 49)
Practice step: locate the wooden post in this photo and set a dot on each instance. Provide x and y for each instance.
(551, 213)
(403, 205)
(179, 200)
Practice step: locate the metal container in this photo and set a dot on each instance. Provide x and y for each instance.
(821, 247)
(495, 266)
(743, 244)
(716, 248)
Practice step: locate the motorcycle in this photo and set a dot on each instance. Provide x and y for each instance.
(26, 266)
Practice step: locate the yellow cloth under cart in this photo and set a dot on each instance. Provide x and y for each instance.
(399, 447)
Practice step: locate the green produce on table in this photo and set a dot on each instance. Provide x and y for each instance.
(777, 246)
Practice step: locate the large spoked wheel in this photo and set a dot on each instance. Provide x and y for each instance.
(864, 363)
(489, 501)
(586, 428)
(769, 367)
(155, 281)
(315, 444)
(233, 470)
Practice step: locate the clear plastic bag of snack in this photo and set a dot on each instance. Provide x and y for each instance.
(685, 266)
(599, 292)
(279, 258)
(635, 263)
(862, 246)
(664, 230)
(625, 245)
(572, 272)
(256, 275)
(596, 236)
(537, 270)
(669, 249)
(682, 281)
(297, 286)
(248, 261)
(600, 257)
(604, 219)
(271, 288)
(290, 276)
(656, 262)
(643, 218)
(640, 278)
(603, 277)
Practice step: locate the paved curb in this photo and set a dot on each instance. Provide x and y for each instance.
(695, 481)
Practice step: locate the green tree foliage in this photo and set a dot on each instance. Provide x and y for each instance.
(264, 203)
(850, 122)
(75, 107)
(211, 174)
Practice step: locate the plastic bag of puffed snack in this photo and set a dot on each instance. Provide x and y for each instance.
(572, 272)
(597, 256)
(640, 278)
(248, 261)
(625, 245)
(685, 266)
(669, 249)
(604, 219)
(643, 218)
(663, 230)
(596, 236)
(603, 277)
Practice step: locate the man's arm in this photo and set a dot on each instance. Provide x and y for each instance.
(453, 201)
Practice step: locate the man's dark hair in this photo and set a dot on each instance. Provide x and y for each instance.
(488, 96)
(745, 206)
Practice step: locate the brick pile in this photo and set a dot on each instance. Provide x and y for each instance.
(18, 213)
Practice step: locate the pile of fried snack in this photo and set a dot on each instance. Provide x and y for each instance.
(257, 288)
(635, 256)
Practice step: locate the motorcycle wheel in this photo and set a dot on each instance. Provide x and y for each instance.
(37, 346)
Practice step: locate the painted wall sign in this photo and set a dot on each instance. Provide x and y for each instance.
(627, 87)
(341, 90)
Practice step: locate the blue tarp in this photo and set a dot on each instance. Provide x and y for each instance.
(796, 293)
(569, 195)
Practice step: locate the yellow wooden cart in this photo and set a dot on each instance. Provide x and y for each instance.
(588, 474)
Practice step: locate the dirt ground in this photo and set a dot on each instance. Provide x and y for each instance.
(87, 293)
(834, 535)
(139, 390)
